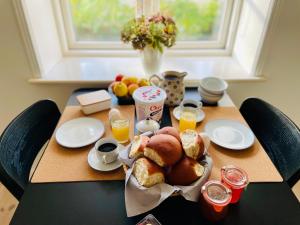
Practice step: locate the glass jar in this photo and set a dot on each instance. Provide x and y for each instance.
(120, 129)
(188, 120)
(236, 179)
(214, 200)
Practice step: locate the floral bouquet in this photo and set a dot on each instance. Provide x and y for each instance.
(156, 31)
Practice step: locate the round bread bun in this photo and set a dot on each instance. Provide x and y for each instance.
(192, 144)
(138, 145)
(147, 172)
(171, 131)
(163, 149)
(185, 172)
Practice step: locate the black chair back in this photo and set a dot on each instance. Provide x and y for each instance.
(279, 136)
(21, 141)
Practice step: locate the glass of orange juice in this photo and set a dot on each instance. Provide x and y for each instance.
(120, 129)
(187, 120)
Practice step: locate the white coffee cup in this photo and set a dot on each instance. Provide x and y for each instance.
(106, 156)
(194, 105)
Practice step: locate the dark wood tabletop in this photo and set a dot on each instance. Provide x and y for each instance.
(102, 202)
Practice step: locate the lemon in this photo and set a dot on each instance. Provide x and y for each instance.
(143, 82)
(120, 89)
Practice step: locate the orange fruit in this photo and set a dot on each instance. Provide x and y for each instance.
(129, 80)
(133, 80)
(126, 80)
(132, 88)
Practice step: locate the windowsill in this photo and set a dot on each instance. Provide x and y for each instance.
(102, 70)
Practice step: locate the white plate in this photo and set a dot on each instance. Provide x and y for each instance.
(96, 164)
(229, 134)
(200, 115)
(79, 132)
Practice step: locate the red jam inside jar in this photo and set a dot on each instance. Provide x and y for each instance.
(214, 200)
(236, 179)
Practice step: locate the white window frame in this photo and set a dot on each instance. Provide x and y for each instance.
(52, 60)
(222, 46)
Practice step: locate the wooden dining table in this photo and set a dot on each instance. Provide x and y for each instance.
(102, 202)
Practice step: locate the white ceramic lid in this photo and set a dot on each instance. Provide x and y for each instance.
(149, 94)
(147, 125)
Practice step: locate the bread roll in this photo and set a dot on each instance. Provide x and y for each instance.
(147, 172)
(171, 131)
(185, 172)
(163, 149)
(138, 145)
(192, 144)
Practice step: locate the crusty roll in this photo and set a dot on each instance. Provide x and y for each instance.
(185, 172)
(147, 172)
(192, 144)
(171, 131)
(163, 149)
(137, 146)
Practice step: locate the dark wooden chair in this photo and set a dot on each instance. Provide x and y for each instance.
(21, 141)
(279, 136)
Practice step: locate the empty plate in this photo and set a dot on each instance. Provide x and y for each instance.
(229, 134)
(96, 164)
(200, 114)
(79, 132)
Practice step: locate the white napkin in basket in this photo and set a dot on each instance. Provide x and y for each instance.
(139, 199)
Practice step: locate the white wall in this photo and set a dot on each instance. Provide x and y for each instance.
(282, 66)
(282, 69)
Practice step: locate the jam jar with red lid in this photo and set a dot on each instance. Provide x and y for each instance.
(236, 179)
(214, 200)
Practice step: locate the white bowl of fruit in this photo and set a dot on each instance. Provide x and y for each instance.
(124, 86)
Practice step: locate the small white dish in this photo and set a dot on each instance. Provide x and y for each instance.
(97, 164)
(213, 85)
(229, 134)
(79, 132)
(199, 118)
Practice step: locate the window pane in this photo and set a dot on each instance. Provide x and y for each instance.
(100, 20)
(196, 19)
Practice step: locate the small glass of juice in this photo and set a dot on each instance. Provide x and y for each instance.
(236, 179)
(120, 129)
(187, 120)
(214, 200)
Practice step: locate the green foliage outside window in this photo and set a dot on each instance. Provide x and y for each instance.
(102, 20)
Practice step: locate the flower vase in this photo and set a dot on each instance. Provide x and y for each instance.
(151, 60)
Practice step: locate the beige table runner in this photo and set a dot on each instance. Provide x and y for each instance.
(59, 164)
(254, 160)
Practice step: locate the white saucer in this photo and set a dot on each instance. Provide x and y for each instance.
(229, 134)
(200, 115)
(79, 132)
(99, 165)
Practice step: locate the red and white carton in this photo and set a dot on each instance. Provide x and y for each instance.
(149, 102)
